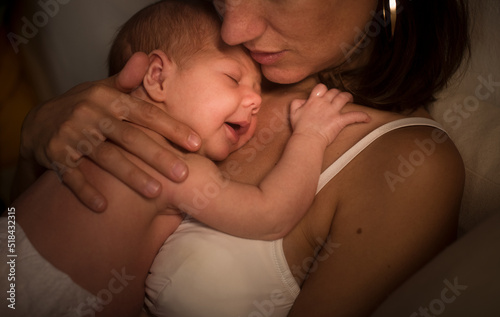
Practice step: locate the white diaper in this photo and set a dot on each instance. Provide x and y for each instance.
(32, 285)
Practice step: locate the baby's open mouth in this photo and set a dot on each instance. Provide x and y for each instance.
(239, 127)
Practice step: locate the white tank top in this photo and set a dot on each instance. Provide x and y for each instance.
(202, 272)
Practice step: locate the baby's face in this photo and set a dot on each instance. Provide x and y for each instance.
(218, 95)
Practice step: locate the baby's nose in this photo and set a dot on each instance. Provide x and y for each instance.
(253, 100)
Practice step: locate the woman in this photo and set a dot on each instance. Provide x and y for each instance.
(397, 200)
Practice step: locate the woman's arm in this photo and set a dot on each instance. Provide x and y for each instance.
(384, 231)
(271, 209)
(59, 132)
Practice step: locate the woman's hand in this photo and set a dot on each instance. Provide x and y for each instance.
(59, 133)
(321, 114)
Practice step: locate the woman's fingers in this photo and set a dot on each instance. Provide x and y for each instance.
(137, 142)
(145, 114)
(132, 74)
(109, 157)
(76, 124)
(81, 188)
(92, 143)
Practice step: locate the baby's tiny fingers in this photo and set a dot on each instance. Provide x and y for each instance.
(341, 99)
(331, 94)
(296, 104)
(355, 117)
(319, 91)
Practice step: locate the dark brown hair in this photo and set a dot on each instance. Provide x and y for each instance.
(406, 71)
(180, 28)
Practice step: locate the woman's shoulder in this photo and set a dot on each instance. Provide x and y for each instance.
(389, 127)
(413, 173)
(417, 150)
(421, 152)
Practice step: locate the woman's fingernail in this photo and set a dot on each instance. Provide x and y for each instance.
(152, 187)
(98, 204)
(194, 141)
(179, 170)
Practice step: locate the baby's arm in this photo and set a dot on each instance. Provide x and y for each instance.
(271, 209)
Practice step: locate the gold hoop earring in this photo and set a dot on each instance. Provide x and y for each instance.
(389, 10)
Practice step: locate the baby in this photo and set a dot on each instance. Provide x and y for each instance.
(215, 89)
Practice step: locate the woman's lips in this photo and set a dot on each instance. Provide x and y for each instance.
(265, 58)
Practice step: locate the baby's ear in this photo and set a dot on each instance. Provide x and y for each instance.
(160, 69)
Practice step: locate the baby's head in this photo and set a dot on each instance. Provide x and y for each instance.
(193, 75)
(178, 28)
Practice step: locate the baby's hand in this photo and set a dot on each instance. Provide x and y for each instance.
(321, 116)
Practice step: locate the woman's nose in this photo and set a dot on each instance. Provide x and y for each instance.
(242, 22)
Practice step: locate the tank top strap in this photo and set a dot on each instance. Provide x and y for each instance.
(350, 154)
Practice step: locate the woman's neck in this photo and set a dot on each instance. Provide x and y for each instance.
(306, 85)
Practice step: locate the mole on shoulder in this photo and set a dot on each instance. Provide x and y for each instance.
(360, 231)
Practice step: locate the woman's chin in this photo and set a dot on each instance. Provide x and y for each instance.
(281, 75)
